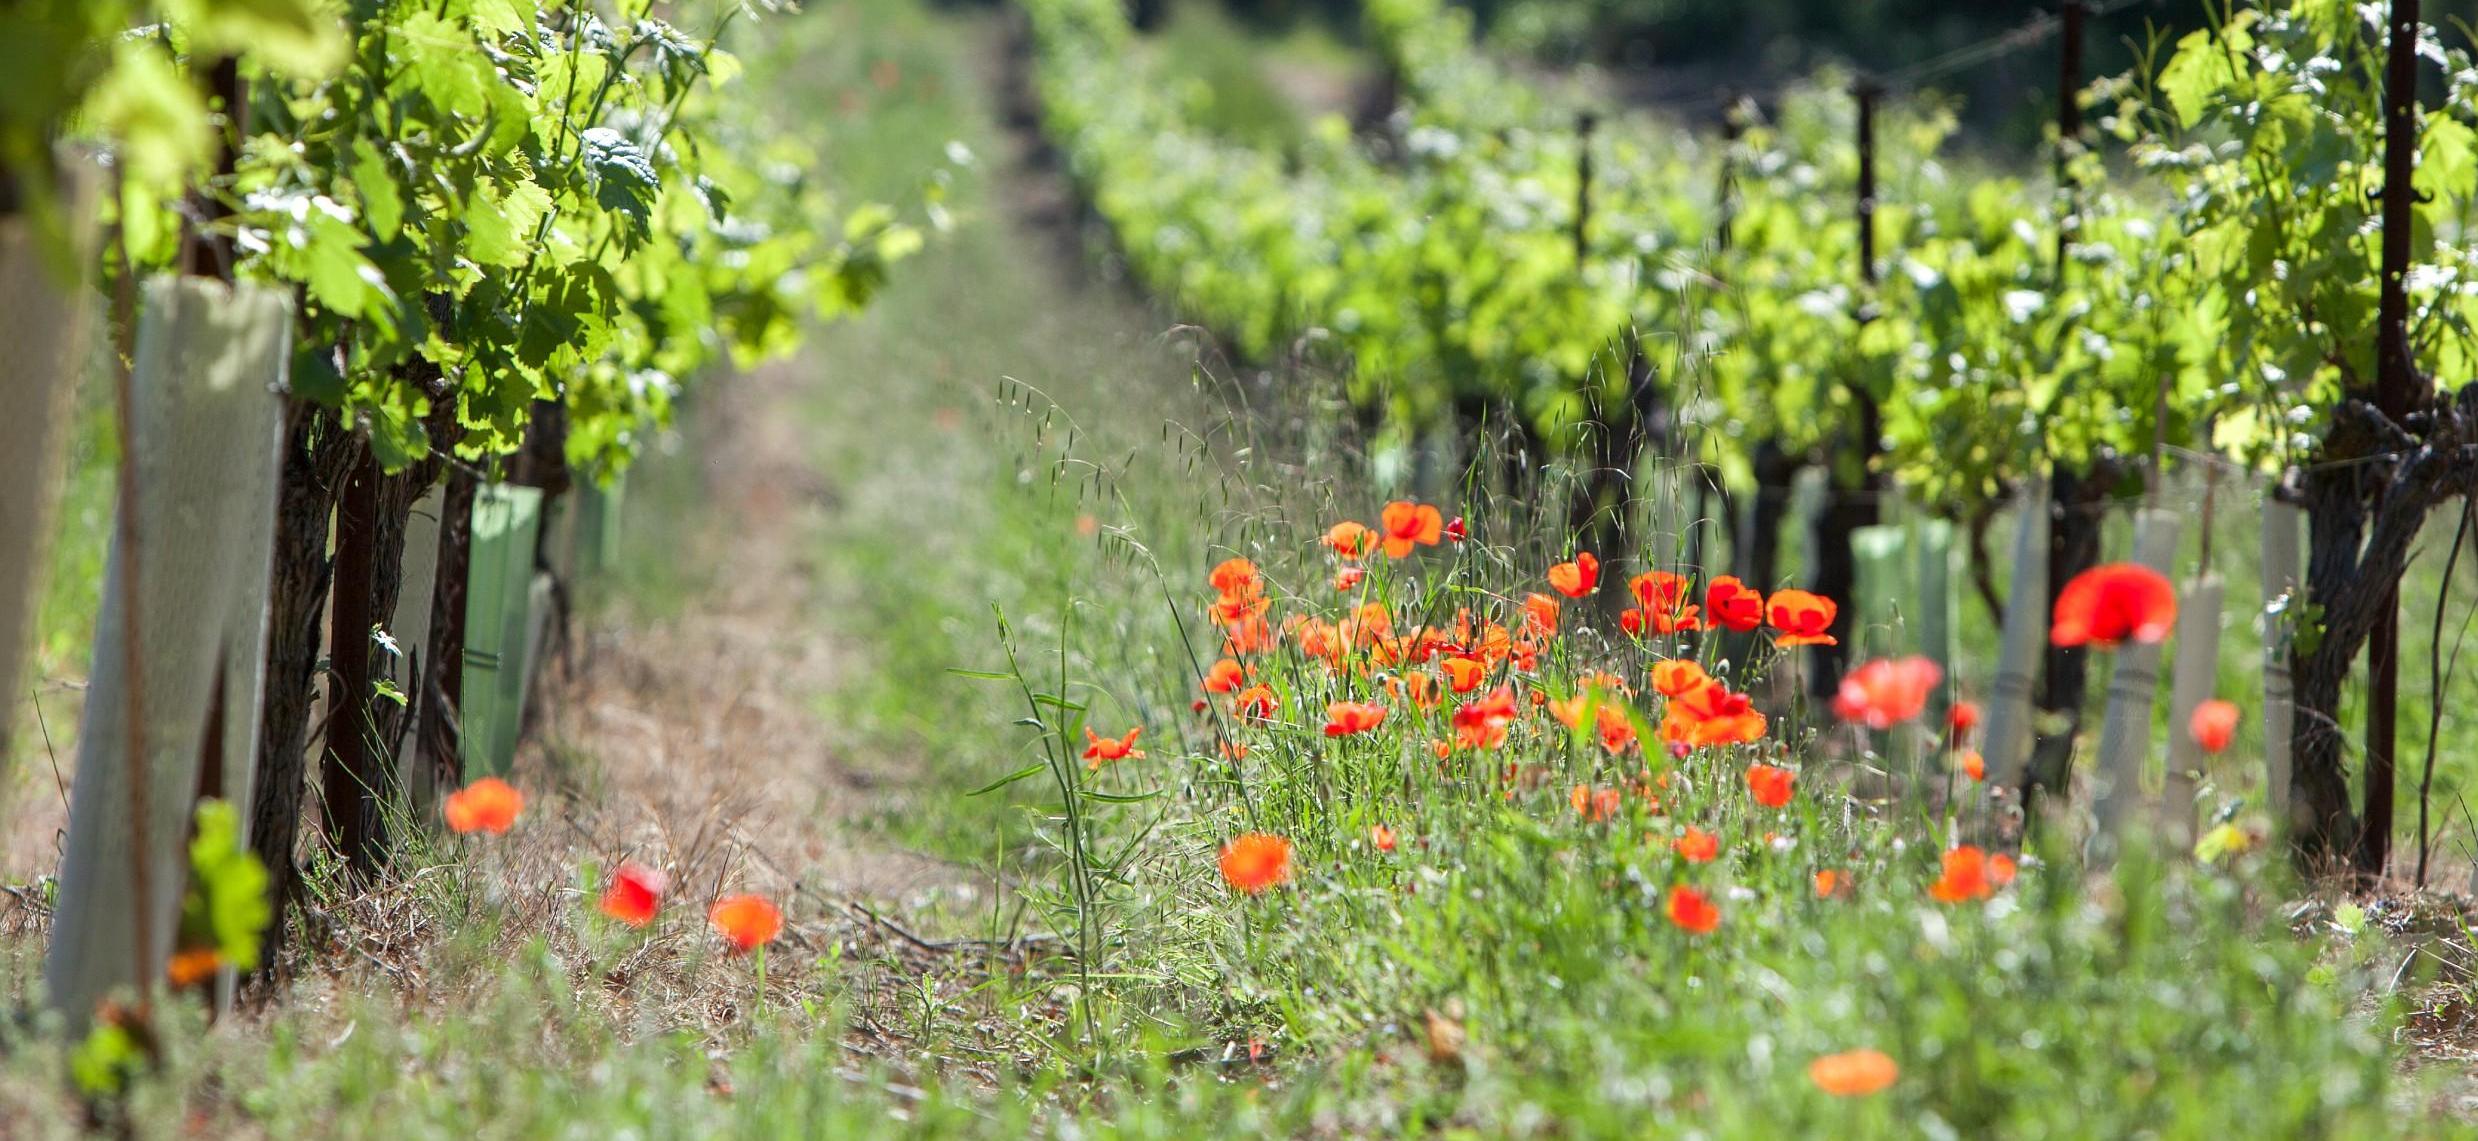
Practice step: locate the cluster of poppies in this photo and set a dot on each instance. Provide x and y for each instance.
(634, 892)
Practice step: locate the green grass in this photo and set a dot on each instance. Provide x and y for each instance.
(1507, 970)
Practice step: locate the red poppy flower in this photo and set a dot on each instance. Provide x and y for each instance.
(487, 805)
(1464, 674)
(1692, 912)
(1455, 531)
(1226, 676)
(1885, 692)
(1578, 578)
(1770, 785)
(747, 922)
(1658, 589)
(634, 894)
(1962, 718)
(1255, 862)
(1732, 604)
(1348, 579)
(1382, 837)
(192, 967)
(1595, 804)
(1256, 702)
(1233, 609)
(1697, 846)
(1540, 613)
(1712, 715)
(1617, 729)
(1965, 876)
(2108, 604)
(1482, 724)
(1856, 1073)
(1349, 539)
(1100, 750)
(1804, 618)
(1407, 525)
(1247, 637)
(1236, 578)
(1347, 718)
(2214, 724)
(1678, 677)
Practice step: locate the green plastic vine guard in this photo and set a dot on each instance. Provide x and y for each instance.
(507, 523)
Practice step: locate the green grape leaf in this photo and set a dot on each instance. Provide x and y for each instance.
(299, 38)
(624, 181)
(226, 906)
(155, 115)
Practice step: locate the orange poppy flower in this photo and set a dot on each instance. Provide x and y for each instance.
(1663, 597)
(1804, 618)
(1349, 718)
(1247, 637)
(1733, 605)
(1382, 837)
(1578, 578)
(1348, 578)
(1712, 715)
(1974, 766)
(1350, 539)
(1604, 681)
(1406, 525)
(1230, 609)
(1884, 692)
(1962, 718)
(191, 967)
(634, 894)
(1617, 729)
(1369, 624)
(1235, 578)
(1770, 785)
(1595, 804)
(1678, 677)
(1853, 1074)
(1255, 862)
(1697, 846)
(1482, 724)
(1100, 750)
(1965, 876)
(1225, 676)
(1464, 674)
(1540, 613)
(2108, 604)
(1417, 688)
(2001, 869)
(1829, 883)
(1692, 911)
(1320, 639)
(2214, 724)
(1256, 702)
(487, 805)
(747, 922)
